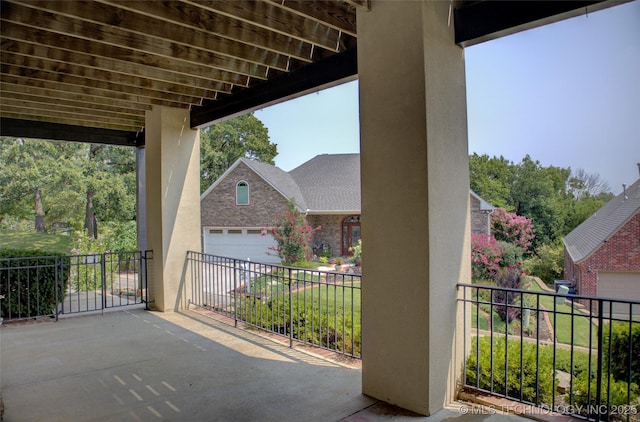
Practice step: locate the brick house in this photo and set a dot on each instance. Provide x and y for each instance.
(237, 207)
(480, 214)
(602, 255)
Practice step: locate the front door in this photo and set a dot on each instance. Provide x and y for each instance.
(350, 233)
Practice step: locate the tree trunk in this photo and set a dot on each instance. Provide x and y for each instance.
(39, 224)
(88, 215)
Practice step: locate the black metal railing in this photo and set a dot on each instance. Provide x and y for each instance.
(568, 354)
(318, 308)
(32, 287)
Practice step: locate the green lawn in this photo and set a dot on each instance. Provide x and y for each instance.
(562, 323)
(54, 243)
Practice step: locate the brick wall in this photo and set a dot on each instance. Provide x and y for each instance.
(620, 253)
(479, 219)
(331, 232)
(219, 209)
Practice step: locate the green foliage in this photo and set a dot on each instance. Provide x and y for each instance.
(515, 373)
(293, 236)
(624, 362)
(491, 178)
(553, 198)
(323, 260)
(512, 254)
(223, 143)
(357, 252)
(121, 236)
(28, 285)
(547, 263)
(324, 315)
(612, 390)
(67, 174)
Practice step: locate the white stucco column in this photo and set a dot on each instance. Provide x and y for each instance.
(415, 201)
(172, 155)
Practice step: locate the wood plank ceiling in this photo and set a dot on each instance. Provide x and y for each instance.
(87, 70)
(102, 63)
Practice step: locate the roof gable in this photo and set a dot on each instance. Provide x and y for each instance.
(277, 178)
(587, 238)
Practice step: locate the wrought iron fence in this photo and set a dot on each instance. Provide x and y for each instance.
(567, 354)
(318, 308)
(32, 287)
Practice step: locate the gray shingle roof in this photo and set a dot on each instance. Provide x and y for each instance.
(330, 183)
(604, 223)
(279, 179)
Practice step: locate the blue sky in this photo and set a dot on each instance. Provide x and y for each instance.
(567, 94)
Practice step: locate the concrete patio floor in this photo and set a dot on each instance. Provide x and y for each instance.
(136, 365)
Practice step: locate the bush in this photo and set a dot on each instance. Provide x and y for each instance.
(515, 373)
(28, 285)
(623, 363)
(508, 278)
(584, 393)
(548, 263)
(293, 236)
(486, 256)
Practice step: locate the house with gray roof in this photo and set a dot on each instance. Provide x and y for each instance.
(602, 255)
(240, 204)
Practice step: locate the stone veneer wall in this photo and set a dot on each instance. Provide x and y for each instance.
(219, 209)
(479, 219)
(330, 233)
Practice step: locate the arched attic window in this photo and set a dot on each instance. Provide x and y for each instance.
(242, 193)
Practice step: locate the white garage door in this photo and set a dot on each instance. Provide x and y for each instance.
(245, 243)
(620, 285)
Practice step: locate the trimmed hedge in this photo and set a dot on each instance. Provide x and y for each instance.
(28, 282)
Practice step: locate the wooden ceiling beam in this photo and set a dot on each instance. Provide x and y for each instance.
(39, 51)
(25, 98)
(64, 69)
(104, 53)
(60, 121)
(55, 86)
(164, 51)
(62, 113)
(327, 12)
(98, 87)
(127, 19)
(269, 17)
(241, 40)
(19, 128)
(89, 101)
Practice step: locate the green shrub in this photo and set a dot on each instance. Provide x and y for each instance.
(619, 351)
(547, 263)
(616, 394)
(28, 285)
(539, 394)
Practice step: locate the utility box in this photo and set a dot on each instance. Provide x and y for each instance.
(563, 290)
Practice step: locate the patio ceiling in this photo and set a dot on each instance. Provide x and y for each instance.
(87, 70)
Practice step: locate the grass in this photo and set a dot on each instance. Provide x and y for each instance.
(54, 243)
(562, 322)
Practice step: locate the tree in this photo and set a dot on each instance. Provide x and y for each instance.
(513, 228)
(293, 236)
(491, 178)
(583, 184)
(223, 143)
(74, 181)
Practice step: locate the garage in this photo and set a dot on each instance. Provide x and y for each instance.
(240, 243)
(620, 285)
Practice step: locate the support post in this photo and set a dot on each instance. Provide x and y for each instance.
(415, 202)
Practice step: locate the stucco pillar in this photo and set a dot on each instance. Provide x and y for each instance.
(415, 201)
(172, 156)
